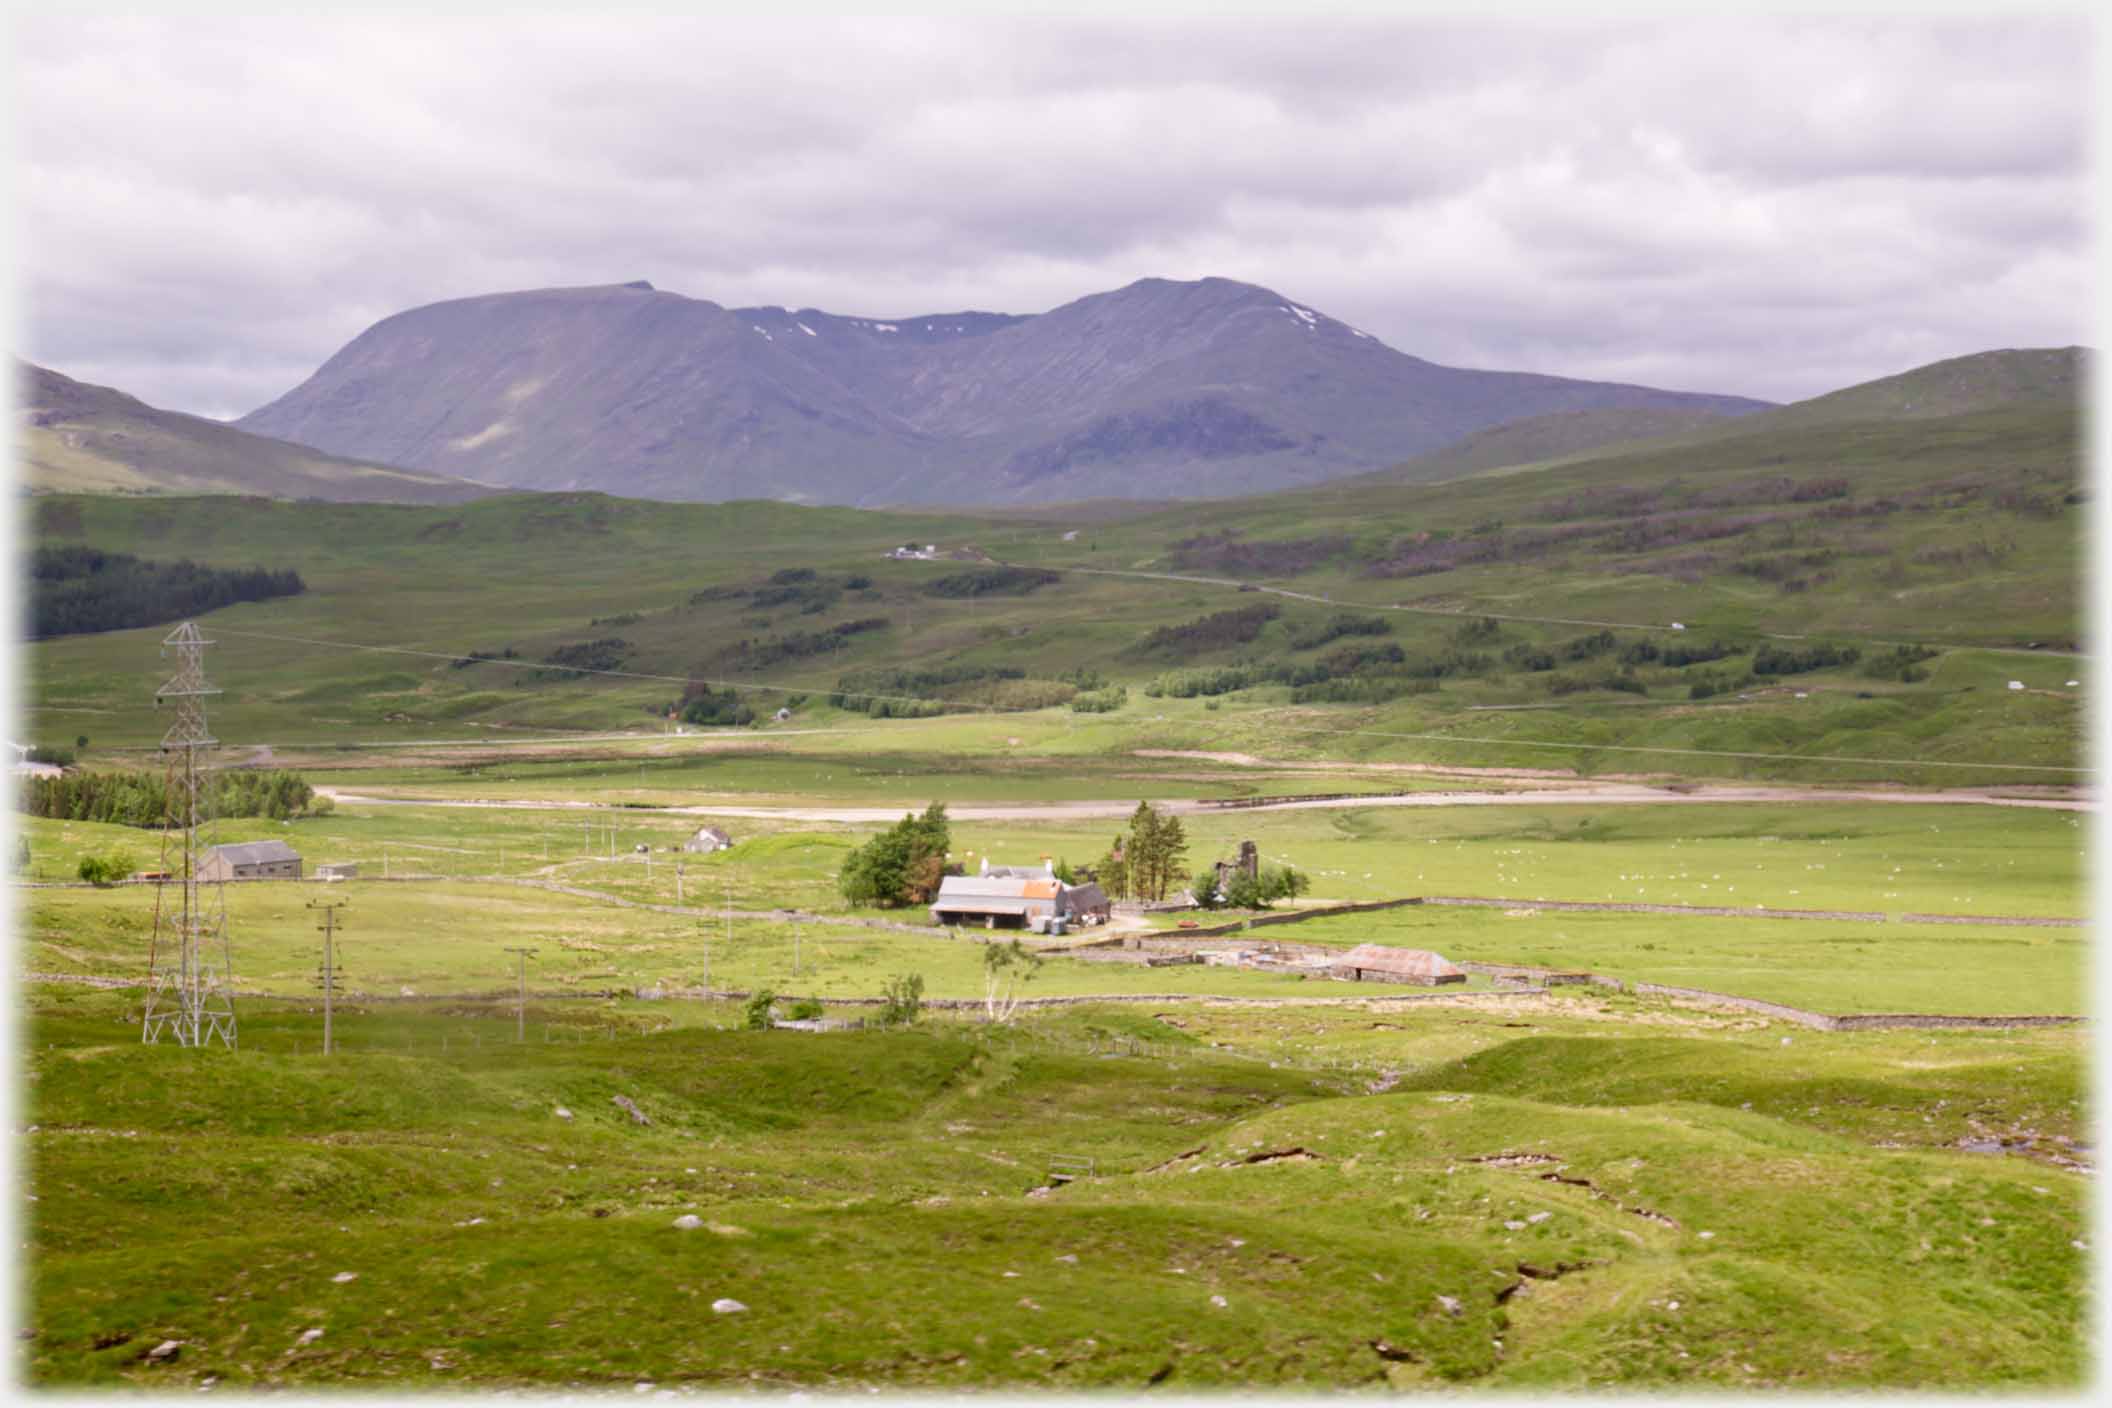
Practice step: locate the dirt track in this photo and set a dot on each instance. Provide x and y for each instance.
(1568, 793)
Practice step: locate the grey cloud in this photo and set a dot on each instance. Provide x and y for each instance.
(1774, 207)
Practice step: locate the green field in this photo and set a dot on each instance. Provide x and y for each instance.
(448, 933)
(436, 1220)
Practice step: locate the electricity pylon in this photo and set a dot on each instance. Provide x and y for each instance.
(188, 998)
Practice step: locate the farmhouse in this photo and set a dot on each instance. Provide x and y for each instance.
(707, 840)
(1018, 897)
(1376, 963)
(251, 860)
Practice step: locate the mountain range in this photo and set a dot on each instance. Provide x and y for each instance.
(1161, 389)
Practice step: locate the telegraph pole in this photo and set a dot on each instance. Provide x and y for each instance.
(521, 1008)
(328, 909)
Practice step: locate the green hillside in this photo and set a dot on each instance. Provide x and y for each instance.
(77, 438)
(1863, 589)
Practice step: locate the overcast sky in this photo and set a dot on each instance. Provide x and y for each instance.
(209, 207)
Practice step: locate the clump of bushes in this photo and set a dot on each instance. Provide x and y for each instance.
(1220, 630)
(105, 870)
(1099, 701)
(991, 581)
(901, 866)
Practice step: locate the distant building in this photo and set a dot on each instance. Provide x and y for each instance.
(1248, 864)
(337, 870)
(1017, 897)
(707, 840)
(1376, 963)
(251, 860)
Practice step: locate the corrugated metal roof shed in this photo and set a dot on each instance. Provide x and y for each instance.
(1413, 965)
(984, 904)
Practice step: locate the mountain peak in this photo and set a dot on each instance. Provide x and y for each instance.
(1162, 388)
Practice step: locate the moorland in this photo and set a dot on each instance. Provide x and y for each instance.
(1812, 688)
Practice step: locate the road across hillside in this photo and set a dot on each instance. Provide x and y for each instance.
(1584, 793)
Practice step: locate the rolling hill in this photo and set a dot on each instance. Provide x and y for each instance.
(1161, 389)
(82, 438)
(2007, 381)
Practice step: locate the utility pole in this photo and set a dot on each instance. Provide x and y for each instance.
(328, 909)
(795, 950)
(678, 882)
(521, 1008)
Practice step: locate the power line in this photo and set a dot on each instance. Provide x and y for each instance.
(585, 670)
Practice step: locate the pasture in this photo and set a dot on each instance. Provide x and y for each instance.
(1731, 1213)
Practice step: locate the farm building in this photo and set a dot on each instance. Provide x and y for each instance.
(707, 840)
(1017, 897)
(1376, 963)
(251, 860)
(337, 870)
(1248, 864)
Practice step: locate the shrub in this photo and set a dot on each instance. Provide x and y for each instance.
(105, 870)
(1772, 659)
(991, 581)
(806, 1009)
(903, 999)
(1335, 627)
(1187, 684)
(757, 1012)
(608, 653)
(1100, 701)
(1220, 630)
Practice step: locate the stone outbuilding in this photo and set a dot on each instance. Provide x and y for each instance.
(251, 860)
(707, 840)
(1376, 963)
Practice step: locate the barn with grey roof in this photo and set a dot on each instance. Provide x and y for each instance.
(251, 860)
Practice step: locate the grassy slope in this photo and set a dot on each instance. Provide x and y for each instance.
(80, 438)
(485, 1241)
(1958, 531)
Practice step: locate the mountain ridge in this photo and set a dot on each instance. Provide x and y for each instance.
(1161, 388)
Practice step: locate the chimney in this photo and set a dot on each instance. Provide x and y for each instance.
(986, 866)
(1048, 866)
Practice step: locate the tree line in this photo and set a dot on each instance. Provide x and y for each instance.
(78, 590)
(142, 798)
